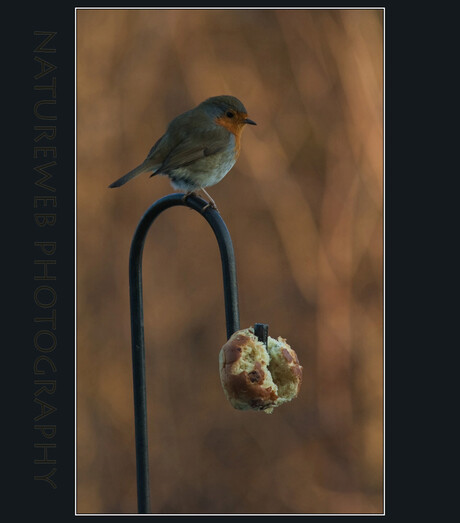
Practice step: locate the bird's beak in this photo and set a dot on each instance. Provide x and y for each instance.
(251, 122)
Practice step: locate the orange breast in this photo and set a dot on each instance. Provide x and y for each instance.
(235, 128)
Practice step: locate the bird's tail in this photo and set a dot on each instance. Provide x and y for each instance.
(142, 168)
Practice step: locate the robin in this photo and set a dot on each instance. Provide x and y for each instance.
(199, 147)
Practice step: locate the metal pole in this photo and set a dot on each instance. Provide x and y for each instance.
(137, 317)
(261, 331)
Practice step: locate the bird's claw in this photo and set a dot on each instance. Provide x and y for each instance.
(209, 204)
(186, 196)
(203, 209)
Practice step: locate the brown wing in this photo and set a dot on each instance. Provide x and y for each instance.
(194, 148)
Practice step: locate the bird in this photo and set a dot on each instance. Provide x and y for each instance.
(198, 148)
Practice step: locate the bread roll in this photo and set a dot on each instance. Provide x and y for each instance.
(254, 378)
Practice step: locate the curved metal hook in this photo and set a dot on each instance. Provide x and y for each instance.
(137, 317)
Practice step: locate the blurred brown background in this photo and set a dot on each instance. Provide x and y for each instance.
(304, 207)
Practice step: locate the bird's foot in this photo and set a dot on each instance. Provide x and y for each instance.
(186, 196)
(209, 204)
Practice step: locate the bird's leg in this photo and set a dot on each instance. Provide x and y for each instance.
(211, 203)
(187, 195)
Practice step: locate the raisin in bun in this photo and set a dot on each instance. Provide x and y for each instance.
(255, 377)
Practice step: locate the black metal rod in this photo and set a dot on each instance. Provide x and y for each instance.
(137, 317)
(261, 331)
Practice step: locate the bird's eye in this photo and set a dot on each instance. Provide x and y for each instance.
(230, 114)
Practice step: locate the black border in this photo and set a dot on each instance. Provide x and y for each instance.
(51, 38)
